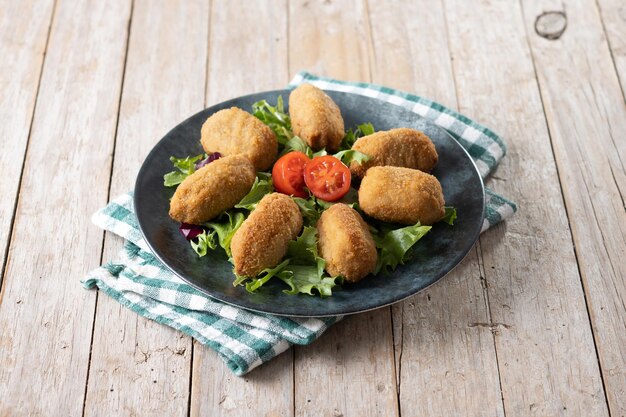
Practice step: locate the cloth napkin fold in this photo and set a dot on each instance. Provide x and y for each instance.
(242, 338)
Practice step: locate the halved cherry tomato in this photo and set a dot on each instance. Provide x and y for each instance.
(288, 174)
(327, 178)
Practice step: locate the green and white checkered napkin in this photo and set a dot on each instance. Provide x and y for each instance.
(245, 339)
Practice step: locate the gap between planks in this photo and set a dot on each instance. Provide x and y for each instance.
(205, 105)
(479, 251)
(108, 198)
(567, 210)
(23, 159)
(148, 83)
(614, 42)
(582, 101)
(62, 322)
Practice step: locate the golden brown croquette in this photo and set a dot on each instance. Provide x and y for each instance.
(401, 195)
(401, 147)
(346, 243)
(237, 132)
(316, 118)
(263, 238)
(212, 189)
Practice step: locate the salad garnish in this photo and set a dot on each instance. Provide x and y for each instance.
(316, 181)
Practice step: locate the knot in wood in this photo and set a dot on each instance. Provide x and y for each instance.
(551, 25)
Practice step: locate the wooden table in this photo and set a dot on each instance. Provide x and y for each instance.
(532, 323)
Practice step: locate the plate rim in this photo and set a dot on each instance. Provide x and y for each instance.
(140, 173)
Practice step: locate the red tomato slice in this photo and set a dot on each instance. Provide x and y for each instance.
(288, 174)
(327, 178)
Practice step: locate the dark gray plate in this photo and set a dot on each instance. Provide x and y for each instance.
(434, 256)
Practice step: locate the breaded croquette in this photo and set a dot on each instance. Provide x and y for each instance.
(346, 243)
(401, 147)
(316, 118)
(401, 195)
(209, 191)
(263, 238)
(236, 132)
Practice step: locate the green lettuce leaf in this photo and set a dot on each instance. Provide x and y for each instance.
(307, 267)
(310, 211)
(203, 242)
(306, 278)
(449, 216)
(254, 284)
(274, 117)
(262, 186)
(349, 155)
(304, 248)
(351, 136)
(299, 145)
(302, 270)
(225, 227)
(366, 129)
(173, 178)
(394, 244)
(184, 168)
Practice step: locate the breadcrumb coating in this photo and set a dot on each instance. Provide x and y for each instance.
(346, 243)
(401, 195)
(316, 118)
(236, 132)
(401, 147)
(263, 238)
(215, 187)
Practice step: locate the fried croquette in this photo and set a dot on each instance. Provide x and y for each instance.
(236, 132)
(316, 118)
(263, 238)
(346, 243)
(401, 195)
(401, 147)
(209, 191)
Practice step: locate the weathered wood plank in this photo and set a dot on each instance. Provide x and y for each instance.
(249, 56)
(613, 13)
(350, 370)
(419, 62)
(443, 350)
(587, 121)
(543, 338)
(330, 38)
(133, 358)
(46, 317)
(24, 28)
(245, 57)
(266, 391)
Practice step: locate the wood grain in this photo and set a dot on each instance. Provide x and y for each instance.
(246, 57)
(550, 99)
(443, 338)
(418, 63)
(350, 370)
(24, 30)
(46, 317)
(543, 339)
(134, 358)
(613, 13)
(265, 391)
(587, 121)
(330, 38)
(251, 56)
